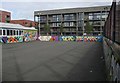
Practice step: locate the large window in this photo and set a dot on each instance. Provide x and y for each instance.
(90, 17)
(56, 24)
(97, 17)
(68, 17)
(66, 24)
(81, 16)
(42, 18)
(104, 16)
(56, 18)
(80, 23)
(97, 23)
(69, 24)
(94, 16)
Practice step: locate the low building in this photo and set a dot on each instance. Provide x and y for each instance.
(24, 22)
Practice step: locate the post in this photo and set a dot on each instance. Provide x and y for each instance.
(77, 16)
(101, 23)
(39, 24)
(83, 24)
(106, 10)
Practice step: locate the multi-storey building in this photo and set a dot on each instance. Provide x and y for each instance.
(72, 20)
(24, 22)
(5, 16)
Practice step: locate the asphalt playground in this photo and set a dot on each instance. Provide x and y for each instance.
(53, 61)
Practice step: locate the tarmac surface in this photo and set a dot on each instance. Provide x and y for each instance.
(53, 61)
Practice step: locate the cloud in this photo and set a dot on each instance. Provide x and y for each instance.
(26, 10)
(57, 1)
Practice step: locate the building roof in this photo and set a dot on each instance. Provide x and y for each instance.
(23, 20)
(15, 26)
(1, 9)
(73, 10)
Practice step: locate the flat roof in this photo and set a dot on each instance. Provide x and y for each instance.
(15, 26)
(73, 10)
(4, 10)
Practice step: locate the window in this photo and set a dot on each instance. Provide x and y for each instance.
(42, 18)
(69, 17)
(66, 24)
(14, 32)
(90, 14)
(17, 32)
(104, 16)
(71, 24)
(56, 18)
(90, 17)
(81, 23)
(81, 16)
(0, 32)
(4, 32)
(56, 24)
(97, 22)
(97, 17)
(8, 32)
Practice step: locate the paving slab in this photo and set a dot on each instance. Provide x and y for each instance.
(53, 61)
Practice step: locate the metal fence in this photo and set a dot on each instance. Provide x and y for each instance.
(112, 24)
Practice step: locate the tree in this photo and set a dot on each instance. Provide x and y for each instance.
(47, 29)
(61, 29)
(88, 27)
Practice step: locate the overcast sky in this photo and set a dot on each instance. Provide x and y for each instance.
(24, 9)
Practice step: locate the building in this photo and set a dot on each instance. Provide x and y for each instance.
(5, 16)
(73, 20)
(26, 23)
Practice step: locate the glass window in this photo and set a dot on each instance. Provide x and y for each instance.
(19, 32)
(3, 32)
(8, 32)
(71, 24)
(56, 18)
(90, 14)
(81, 16)
(13, 32)
(58, 24)
(81, 23)
(97, 22)
(66, 24)
(104, 16)
(69, 17)
(90, 17)
(0, 32)
(42, 18)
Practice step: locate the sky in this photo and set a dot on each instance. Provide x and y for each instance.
(24, 9)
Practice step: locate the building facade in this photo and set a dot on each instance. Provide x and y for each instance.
(26, 23)
(72, 21)
(5, 16)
